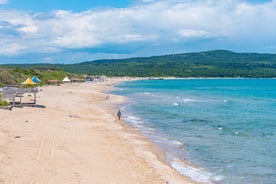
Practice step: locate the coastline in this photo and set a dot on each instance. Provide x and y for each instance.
(77, 139)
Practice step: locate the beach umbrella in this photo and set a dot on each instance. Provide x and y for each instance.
(29, 81)
(35, 79)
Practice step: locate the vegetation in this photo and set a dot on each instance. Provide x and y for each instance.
(3, 103)
(15, 75)
(218, 63)
(6, 77)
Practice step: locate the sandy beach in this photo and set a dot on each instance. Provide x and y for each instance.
(77, 139)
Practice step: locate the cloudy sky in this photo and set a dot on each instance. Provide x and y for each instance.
(72, 31)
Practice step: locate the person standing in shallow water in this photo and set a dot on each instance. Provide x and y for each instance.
(119, 115)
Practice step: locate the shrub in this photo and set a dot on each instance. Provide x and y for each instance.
(2, 102)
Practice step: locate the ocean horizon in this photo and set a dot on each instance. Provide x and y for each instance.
(212, 130)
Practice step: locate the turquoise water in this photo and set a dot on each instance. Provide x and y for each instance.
(225, 128)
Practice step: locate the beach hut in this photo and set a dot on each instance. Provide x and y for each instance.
(66, 79)
(29, 81)
(35, 79)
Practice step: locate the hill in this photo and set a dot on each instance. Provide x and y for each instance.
(6, 77)
(217, 63)
(14, 75)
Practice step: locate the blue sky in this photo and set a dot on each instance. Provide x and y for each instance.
(55, 31)
(73, 5)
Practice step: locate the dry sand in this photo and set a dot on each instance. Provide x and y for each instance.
(77, 139)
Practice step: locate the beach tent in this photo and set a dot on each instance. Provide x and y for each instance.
(29, 81)
(35, 79)
(66, 80)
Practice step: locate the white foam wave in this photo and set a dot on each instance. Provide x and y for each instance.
(133, 120)
(185, 169)
(149, 130)
(138, 123)
(188, 100)
(176, 142)
(194, 173)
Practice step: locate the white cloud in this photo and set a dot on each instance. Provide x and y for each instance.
(4, 1)
(189, 33)
(11, 48)
(153, 22)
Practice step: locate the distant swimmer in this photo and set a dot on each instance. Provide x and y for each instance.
(119, 115)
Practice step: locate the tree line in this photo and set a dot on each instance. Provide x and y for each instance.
(217, 63)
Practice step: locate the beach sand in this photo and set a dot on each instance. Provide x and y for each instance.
(77, 139)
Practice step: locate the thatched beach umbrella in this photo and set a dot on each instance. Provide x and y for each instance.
(53, 82)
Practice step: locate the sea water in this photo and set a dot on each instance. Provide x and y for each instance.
(224, 129)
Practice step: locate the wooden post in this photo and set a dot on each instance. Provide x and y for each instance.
(35, 99)
(13, 103)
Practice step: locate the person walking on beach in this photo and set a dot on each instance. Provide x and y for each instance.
(119, 115)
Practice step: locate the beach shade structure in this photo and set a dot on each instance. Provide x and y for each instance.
(74, 79)
(66, 79)
(53, 82)
(35, 79)
(29, 81)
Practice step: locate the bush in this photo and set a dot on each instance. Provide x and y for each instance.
(2, 102)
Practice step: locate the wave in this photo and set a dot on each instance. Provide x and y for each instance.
(174, 150)
(189, 100)
(196, 174)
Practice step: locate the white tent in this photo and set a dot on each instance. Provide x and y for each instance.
(66, 80)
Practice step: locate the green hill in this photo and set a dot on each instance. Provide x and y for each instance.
(15, 75)
(6, 77)
(217, 63)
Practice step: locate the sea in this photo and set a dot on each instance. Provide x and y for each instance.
(219, 131)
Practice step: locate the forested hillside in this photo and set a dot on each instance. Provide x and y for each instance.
(218, 63)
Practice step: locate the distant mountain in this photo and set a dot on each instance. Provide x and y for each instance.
(217, 63)
(208, 57)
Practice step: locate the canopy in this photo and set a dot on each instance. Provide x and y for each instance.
(29, 81)
(35, 79)
(66, 79)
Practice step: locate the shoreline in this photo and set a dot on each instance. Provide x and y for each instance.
(77, 139)
(170, 149)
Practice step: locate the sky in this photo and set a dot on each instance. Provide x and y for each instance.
(73, 31)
